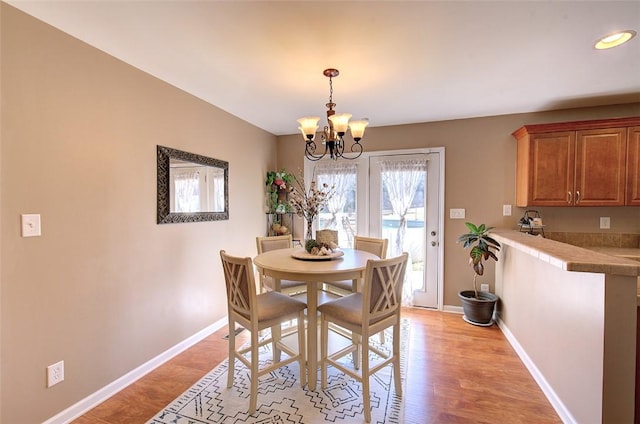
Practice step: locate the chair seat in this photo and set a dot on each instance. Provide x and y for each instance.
(348, 309)
(274, 305)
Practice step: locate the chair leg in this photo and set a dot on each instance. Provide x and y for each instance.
(232, 351)
(253, 398)
(302, 349)
(366, 396)
(396, 359)
(356, 339)
(276, 335)
(324, 349)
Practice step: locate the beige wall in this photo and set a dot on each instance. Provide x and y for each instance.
(480, 156)
(104, 288)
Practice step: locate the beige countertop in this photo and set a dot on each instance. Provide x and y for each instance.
(568, 257)
(622, 252)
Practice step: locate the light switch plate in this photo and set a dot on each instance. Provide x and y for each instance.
(31, 225)
(605, 222)
(456, 213)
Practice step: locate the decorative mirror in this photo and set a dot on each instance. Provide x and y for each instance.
(191, 188)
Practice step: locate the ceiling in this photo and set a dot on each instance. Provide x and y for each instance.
(400, 62)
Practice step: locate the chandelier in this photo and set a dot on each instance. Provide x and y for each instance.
(333, 133)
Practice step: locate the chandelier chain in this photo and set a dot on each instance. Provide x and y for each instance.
(330, 90)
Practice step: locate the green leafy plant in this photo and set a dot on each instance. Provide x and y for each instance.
(276, 182)
(482, 246)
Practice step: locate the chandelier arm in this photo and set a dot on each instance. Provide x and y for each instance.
(310, 150)
(339, 149)
(356, 148)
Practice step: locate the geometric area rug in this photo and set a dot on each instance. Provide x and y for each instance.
(282, 400)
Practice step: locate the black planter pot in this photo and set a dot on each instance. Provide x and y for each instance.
(478, 311)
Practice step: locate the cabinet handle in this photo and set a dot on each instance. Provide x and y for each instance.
(569, 197)
(577, 197)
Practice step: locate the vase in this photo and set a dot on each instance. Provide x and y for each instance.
(309, 234)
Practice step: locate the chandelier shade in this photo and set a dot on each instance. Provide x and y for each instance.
(308, 126)
(333, 133)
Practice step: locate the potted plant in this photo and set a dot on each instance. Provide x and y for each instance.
(478, 306)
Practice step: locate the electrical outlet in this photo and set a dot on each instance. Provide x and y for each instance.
(484, 287)
(55, 373)
(506, 210)
(605, 222)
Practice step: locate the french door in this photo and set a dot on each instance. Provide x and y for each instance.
(397, 195)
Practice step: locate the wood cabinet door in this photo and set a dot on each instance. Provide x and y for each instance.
(633, 167)
(600, 167)
(552, 169)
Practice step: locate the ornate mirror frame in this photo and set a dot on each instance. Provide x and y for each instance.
(165, 216)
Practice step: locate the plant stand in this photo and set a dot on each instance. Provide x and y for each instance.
(275, 221)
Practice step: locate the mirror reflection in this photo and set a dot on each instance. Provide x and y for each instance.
(191, 187)
(194, 187)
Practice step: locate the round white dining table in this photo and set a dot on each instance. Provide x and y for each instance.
(281, 265)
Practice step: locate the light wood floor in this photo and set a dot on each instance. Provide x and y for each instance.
(456, 373)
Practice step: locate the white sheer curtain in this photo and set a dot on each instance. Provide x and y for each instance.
(343, 177)
(401, 179)
(186, 183)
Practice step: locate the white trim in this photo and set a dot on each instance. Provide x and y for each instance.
(548, 391)
(452, 309)
(441, 217)
(76, 410)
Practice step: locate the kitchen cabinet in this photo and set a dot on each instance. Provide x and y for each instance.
(633, 166)
(584, 163)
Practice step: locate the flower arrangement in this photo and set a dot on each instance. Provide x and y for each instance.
(307, 204)
(321, 249)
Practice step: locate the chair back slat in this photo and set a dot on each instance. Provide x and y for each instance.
(240, 283)
(266, 244)
(372, 245)
(382, 292)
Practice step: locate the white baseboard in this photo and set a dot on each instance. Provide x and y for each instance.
(548, 391)
(452, 309)
(112, 388)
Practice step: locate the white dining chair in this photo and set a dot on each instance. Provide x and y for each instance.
(257, 312)
(266, 244)
(366, 313)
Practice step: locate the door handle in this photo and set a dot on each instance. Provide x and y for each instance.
(569, 197)
(577, 197)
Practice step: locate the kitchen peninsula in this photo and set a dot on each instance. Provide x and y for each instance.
(571, 314)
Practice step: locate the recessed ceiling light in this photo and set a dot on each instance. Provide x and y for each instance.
(615, 39)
